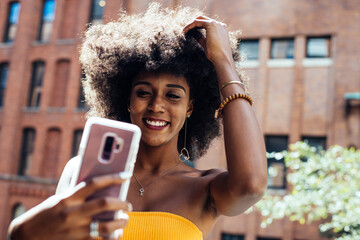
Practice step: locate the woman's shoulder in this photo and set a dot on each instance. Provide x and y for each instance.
(206, 174)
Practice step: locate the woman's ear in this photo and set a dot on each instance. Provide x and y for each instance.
(190, 107)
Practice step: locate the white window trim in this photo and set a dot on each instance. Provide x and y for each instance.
(317, 62)
(249, 64)
(281, 63)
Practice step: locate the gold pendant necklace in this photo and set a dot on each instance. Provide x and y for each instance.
(142, 188)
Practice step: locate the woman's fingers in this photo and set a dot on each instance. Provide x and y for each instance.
(85, 189)
(108, 228)
(198, 22)
(216, 44)
(95, 206)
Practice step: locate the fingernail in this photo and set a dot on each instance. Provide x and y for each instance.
(130, 207)
(125, 175)
(123, 216)
(118, 233)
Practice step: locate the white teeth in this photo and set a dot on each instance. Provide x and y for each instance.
(156, 123)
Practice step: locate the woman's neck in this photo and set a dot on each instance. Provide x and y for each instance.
(156, 159)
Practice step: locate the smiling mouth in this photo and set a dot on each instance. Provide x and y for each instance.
(155, 123)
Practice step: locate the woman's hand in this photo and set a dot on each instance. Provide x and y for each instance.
(69, 216)
(216, 43)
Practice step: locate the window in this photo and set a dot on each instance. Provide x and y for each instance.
(35, 89)
(4, 70)
(46, 20)
(318, 142)
(27, 149)
(318, 47)
(226, 236)
(250, 48)
(17, 210)
(276, 167)
(282, 48)
(81, 100)
(76, 141)
(97, 10)
(12, 22)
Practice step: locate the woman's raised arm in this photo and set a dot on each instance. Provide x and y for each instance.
(244, 183)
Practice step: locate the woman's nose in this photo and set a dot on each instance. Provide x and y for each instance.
(156, 104)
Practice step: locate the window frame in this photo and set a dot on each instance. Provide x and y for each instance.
(290, 40)
(93, 18)
(252, 40)
(327, 39)
(323, 139)
(230, 236)
(6, 38)
(273, 160)
(3, 81)
(43, 21)
(16, 207)
(36, 85)
(26, 150)
(77, 134)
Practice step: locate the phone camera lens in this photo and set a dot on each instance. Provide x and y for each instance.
(107, 148)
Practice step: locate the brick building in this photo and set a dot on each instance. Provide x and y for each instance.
(303, 63)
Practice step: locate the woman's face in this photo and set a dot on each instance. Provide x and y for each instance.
(159, 104)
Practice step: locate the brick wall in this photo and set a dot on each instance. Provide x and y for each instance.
(295, 101)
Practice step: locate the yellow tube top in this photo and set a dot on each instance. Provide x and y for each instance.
(160, 226)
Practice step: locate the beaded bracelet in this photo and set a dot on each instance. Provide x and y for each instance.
(230, 98)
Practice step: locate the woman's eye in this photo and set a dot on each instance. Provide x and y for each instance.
(142, 93)
(173, 96)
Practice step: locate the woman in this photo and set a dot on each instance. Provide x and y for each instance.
(163, 71)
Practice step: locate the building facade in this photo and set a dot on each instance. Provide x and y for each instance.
(303, 62)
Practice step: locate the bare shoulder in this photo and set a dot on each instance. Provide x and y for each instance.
(210, 174)
(202, 178)
(66, 176)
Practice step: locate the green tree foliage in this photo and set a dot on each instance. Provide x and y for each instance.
(325, 185)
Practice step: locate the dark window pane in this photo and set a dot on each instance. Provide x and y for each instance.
(10, 31)
(276, 167)
(27, 149)
(250, 48)
(318, 142)
(282, 48)
(4, 69)
(97, 10)
(318, 47)
(46, 20)
(36, 84)
(81, 101)
(76, 141)
(18, 209)
(226, 236)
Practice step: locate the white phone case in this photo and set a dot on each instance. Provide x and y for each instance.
(107, 147)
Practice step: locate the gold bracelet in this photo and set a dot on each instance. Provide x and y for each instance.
(219, 111)
(232, 82)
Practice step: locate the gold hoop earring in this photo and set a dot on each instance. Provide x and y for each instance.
(128, 109)
(184, 153)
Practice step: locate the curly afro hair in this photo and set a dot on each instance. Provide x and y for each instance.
(112, 55)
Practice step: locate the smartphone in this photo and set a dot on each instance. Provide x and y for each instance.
(107, 147)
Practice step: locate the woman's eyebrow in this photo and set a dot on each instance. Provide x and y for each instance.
(176, 86)
(142, 83)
